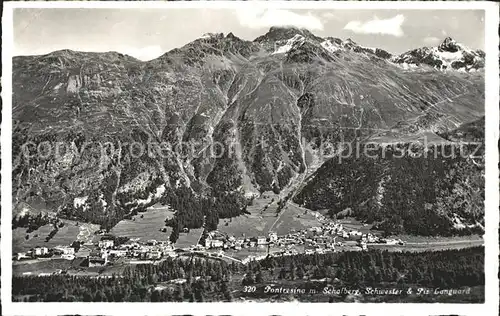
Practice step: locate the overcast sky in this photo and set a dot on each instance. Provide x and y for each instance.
(148, 33)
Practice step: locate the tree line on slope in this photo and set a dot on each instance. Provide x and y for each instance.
(196, 211)
(213, 280)
(420, 195)
(445, 269)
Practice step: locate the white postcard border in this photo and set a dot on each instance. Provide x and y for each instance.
(490, 307)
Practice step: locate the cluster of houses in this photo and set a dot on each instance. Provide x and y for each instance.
(104, 252)
(107, 251)
(63, 252)
(218, 240)
(323, 237)
(327, 235)
(318, 239)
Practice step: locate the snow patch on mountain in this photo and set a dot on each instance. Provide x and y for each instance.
(330, 46)
(447, 57)
(348, 42)
(209, 35)
(295, 41)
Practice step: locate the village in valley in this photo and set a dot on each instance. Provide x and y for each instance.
(329, 237)
(111, 250)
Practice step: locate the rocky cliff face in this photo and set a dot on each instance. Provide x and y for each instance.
(240, 117)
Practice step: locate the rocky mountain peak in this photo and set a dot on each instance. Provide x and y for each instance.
(212, 36)
(449, 55)
(350, 41)
(230, 35)
(280, 33)
(449, 45)
(209, 44)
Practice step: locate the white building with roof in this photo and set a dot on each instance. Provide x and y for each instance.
(273, 237)
(40, 251)
(65, 250)
(106, 244)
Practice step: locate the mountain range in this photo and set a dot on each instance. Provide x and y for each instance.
(271, 105)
